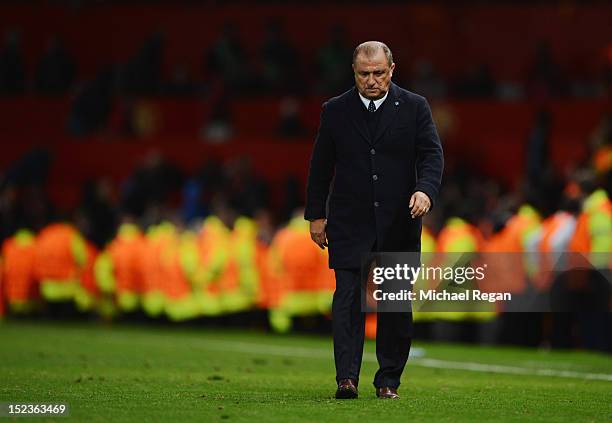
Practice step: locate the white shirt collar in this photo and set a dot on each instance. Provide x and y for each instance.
(377, 103)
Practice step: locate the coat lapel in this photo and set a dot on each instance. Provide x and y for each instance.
(389, 112)
(356, 116)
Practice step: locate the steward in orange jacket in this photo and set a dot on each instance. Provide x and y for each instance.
(593, 234)
(18, 272)
(119, 269)
(458, 239)
(305, 284)
(506, 252)
(2, 306)
(61, 257)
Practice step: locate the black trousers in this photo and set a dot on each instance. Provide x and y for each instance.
(393, 334)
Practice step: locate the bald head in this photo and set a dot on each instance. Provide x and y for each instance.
(371, 48)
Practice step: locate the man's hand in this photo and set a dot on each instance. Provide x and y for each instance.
(419, 204)
(317, 232)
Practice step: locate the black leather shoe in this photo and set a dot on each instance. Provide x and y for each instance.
(387, 393)
(347, 389)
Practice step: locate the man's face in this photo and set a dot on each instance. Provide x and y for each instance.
(373, 74)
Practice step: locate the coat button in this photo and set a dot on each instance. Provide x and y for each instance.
(375, 177)
(372, 151)
(376, 204)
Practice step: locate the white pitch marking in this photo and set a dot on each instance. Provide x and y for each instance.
(284, 351)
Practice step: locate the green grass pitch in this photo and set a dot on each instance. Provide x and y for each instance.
(163, 373)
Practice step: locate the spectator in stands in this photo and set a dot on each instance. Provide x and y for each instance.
(8, 210)
(600, 147)
(290, 124)
(91, 106)
(121, 119)
(279, 60)
(476, 83)
(151, 184)
(606, 71)
(545, 77)
(540, 176)
(23, 200)
(265, 226)
(602, 135)
(12, 72)
(56, 69)
(211, 177)
(192, 206)
(334, 75)
(226, 59)
(538, 150)
(35, 206)
(97, 211)
(181, 83)
(23, 207)
(426, 81)
(142, 74)
(477, 197)
(293, 198)
(219, 127)
(607, 79)
(199, 190)
(245, 190)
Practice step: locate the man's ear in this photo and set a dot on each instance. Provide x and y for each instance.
(391, 68)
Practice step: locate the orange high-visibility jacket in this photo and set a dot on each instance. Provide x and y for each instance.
(175, 284)
(126, 252)
(213, 248)
(504, 252)
(264, 293)
(18, 274)
(55, 253)
(459, 236)
(153, 274)
(555, 235)
(299, 263)
(593, 228)
(2, 306)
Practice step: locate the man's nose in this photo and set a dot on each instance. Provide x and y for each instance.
(371, 81)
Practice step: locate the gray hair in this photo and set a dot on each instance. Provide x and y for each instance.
(370, 48)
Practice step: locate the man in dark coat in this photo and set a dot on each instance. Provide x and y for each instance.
(375, 171)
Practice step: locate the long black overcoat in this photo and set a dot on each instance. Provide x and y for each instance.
(362, 183)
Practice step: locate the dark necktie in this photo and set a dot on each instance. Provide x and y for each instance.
(371, 107)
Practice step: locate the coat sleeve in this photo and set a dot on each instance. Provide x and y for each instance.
(321, 171)
(429, 155)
